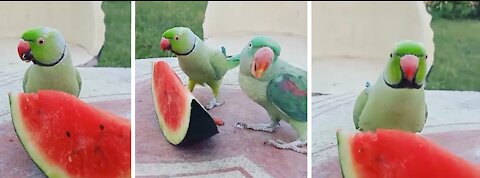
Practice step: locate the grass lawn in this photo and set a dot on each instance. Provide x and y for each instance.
(457, 55)
(153, 18)
(116, 50)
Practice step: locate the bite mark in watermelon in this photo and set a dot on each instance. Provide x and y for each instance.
(66, 137)
(182, 119)
(398, 154)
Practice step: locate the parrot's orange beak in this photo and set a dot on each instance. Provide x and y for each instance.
(165, 44)
(24, 51)
(409, 65)
(261, 61)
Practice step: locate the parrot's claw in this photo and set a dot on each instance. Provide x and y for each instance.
(280, 141)
(257, 127)
(240, 125)
(297, 146)
(213, 103)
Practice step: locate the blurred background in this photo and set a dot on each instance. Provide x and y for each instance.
(354, 39)
(116, 50)
(456, 27)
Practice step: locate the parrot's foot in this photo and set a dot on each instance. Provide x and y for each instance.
(297, 145)
(258, 127)
(213, 103)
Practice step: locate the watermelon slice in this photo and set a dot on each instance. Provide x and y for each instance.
(398, 154)
(182, 118)
(66, 137)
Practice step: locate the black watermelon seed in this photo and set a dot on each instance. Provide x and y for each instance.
(68, 134)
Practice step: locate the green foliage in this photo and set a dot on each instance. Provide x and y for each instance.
(154, 17)
(454, 9)
(457, 55)
(116, 49)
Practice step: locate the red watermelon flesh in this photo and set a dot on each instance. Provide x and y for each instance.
(165, 88)
(182, 119)
(398, 154)
(66, 137)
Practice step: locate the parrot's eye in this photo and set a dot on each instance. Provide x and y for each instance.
(41, 41)
(176, 37)
(426, 56)
(391, 55)
(250, 45)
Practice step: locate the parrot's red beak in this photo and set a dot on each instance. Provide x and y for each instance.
(165, 44)
(409, 65)
(24, 51)
(261, 61)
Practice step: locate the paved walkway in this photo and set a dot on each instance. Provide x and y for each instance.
(231, 153)
(104, 88)
(453, 123)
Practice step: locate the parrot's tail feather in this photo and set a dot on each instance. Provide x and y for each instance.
(367, 84)
(224, 51)
(233, 61)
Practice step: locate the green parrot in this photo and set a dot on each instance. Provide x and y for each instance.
(53, 68)
(202, 64)
(278, 87)
(397, 100)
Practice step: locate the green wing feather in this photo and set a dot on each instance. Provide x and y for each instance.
(222, 63)
(218, 62)
(79, 80)
(426, 116)
(224, 51)
(359, 105)
(25, 79)
(289, 94)
(233, 61)
(426, 112)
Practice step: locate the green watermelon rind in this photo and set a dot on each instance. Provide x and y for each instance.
(345, 154)
(174, 138)
(49, 169)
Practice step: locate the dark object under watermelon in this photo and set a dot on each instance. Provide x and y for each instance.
(398, 154)
(66, 137)
(183, 120)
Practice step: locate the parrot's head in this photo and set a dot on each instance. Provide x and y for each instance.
(179, 40)
(44, 46)
(407, 67)
(259, 56)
